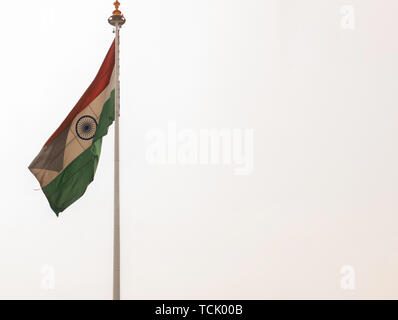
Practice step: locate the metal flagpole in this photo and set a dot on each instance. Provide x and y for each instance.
(117, 20)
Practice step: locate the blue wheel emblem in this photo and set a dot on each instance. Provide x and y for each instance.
(86, 127)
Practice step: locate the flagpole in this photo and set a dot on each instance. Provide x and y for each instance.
(117, 20)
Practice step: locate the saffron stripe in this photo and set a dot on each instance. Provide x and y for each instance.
(100, 82)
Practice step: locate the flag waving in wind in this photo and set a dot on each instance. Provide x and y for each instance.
(67, 163)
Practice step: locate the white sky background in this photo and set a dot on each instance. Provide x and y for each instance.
(321, 99)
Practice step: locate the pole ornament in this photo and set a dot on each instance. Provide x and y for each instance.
(117, 12)
(117, 17)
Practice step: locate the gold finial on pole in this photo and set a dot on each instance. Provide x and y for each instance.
(117, 17)
(117, 12)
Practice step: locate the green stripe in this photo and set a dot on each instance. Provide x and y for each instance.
(72, 183)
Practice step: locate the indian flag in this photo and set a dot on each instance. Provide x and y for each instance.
(67, 163)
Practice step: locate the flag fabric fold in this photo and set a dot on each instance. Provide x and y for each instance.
(67, 163)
